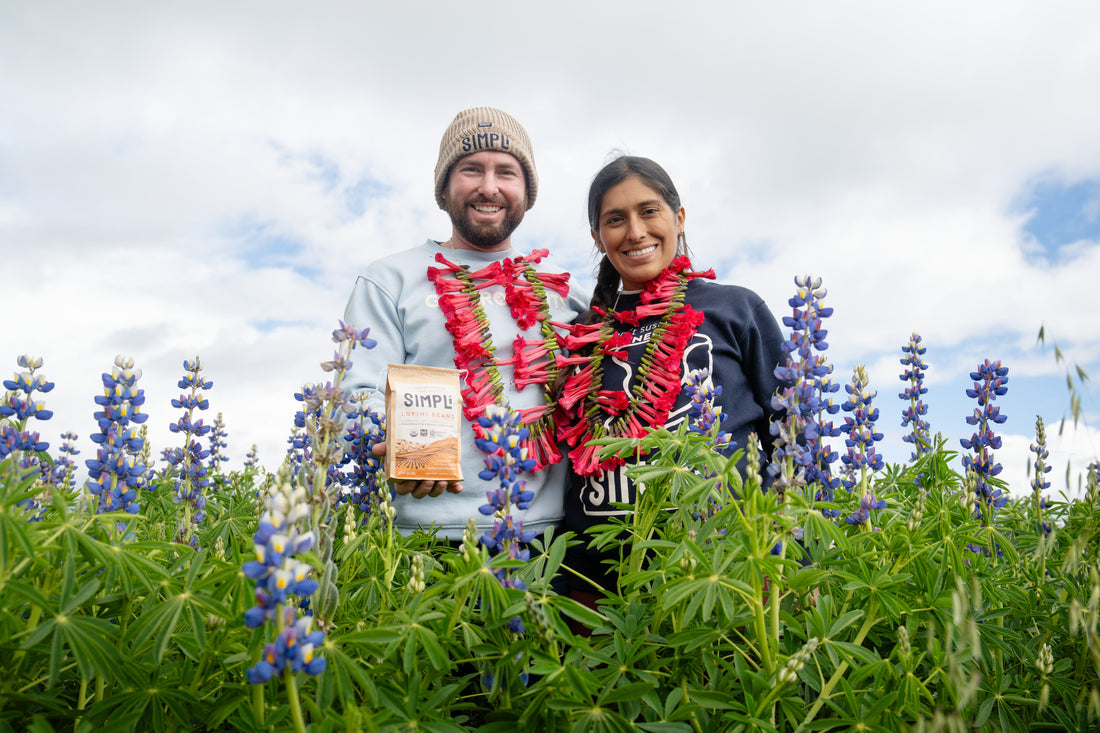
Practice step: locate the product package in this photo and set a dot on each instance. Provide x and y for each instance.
(423, 419)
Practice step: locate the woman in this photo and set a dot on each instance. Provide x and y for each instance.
(652, 321)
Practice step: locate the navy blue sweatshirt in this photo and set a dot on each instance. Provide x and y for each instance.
(740, 343)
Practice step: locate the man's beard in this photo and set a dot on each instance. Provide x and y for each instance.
(485, 236)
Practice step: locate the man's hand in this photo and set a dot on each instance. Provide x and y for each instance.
(419, 489)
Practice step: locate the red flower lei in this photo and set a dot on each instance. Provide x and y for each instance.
(534, 361)
(590, 412)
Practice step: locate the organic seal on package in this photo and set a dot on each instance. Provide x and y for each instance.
(423, 419)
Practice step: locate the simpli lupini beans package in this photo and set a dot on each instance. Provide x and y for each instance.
(423, 419)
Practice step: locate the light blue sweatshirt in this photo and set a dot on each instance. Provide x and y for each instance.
(395, 299)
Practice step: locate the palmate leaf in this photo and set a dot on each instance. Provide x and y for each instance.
(135, 566)
(149, 707)
(161, 618)
(228, 585)
(128, 566)
(15, 531)
(346, 677)
(90, 640)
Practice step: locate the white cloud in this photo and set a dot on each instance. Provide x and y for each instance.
(881, 147)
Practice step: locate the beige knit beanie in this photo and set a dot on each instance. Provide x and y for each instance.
(484, 128)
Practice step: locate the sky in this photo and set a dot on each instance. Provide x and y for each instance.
(207, 179)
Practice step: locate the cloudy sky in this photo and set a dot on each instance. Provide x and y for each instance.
(208, 179)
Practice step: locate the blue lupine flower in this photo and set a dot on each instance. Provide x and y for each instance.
(989, 384)
(294, 648)
(192, 478)
(61, 474)
(913, 415)
(282, 582)
(1039, 484)
(116, 473)
(800, 456)
(501, 436)
(346, 333)
(252, 458)
(703, 416)
(217, 445)
(867, 504)
(323, 408)
(18, 439)
(366, 476)
(860, 427)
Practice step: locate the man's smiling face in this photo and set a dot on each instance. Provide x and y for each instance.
(486, 197)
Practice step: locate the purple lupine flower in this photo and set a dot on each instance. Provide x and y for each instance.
(801, 457)
(116, 473)
(502, 436)
(17, 439)
(294, 648)
(297, 452)
(346, 333)
(252, 458)
(819, 428)
(1039, 484)
(217, 445)
(703, 416)
(867, 504)
(323, 408)
(913, 415)
(61, 474)
(282, 582)
(365, 477)
(860, 428)
(989, 384)
(192, 479)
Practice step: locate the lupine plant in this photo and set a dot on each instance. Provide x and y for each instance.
(981, 466)
(506, 461)
(61, 474)
(282, 581)
(802, 455)
(915, 410)
(17, 440)
(217, 444)
(719, 625)
(115, 475)
(861, 459)
(192, 479)
(367, 488)
(1039, 483)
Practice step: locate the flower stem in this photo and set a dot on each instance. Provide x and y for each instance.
(295, 704)
(868, 622)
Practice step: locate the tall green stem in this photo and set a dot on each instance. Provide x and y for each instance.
(868, 622)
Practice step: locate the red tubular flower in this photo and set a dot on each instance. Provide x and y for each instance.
(630, 317)
(614, 345)
(575, 338)
(564, 361)
(558, 282)
(612, 401)
(576, 388)
(569, 433)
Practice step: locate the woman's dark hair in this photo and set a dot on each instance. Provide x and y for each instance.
(611, 175)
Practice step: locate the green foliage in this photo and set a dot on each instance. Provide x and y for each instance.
(735, 612)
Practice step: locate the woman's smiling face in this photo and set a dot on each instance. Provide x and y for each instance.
(638, 231)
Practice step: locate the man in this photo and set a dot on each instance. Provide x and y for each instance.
(485, 180)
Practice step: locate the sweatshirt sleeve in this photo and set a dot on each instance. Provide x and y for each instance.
(371, 306)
